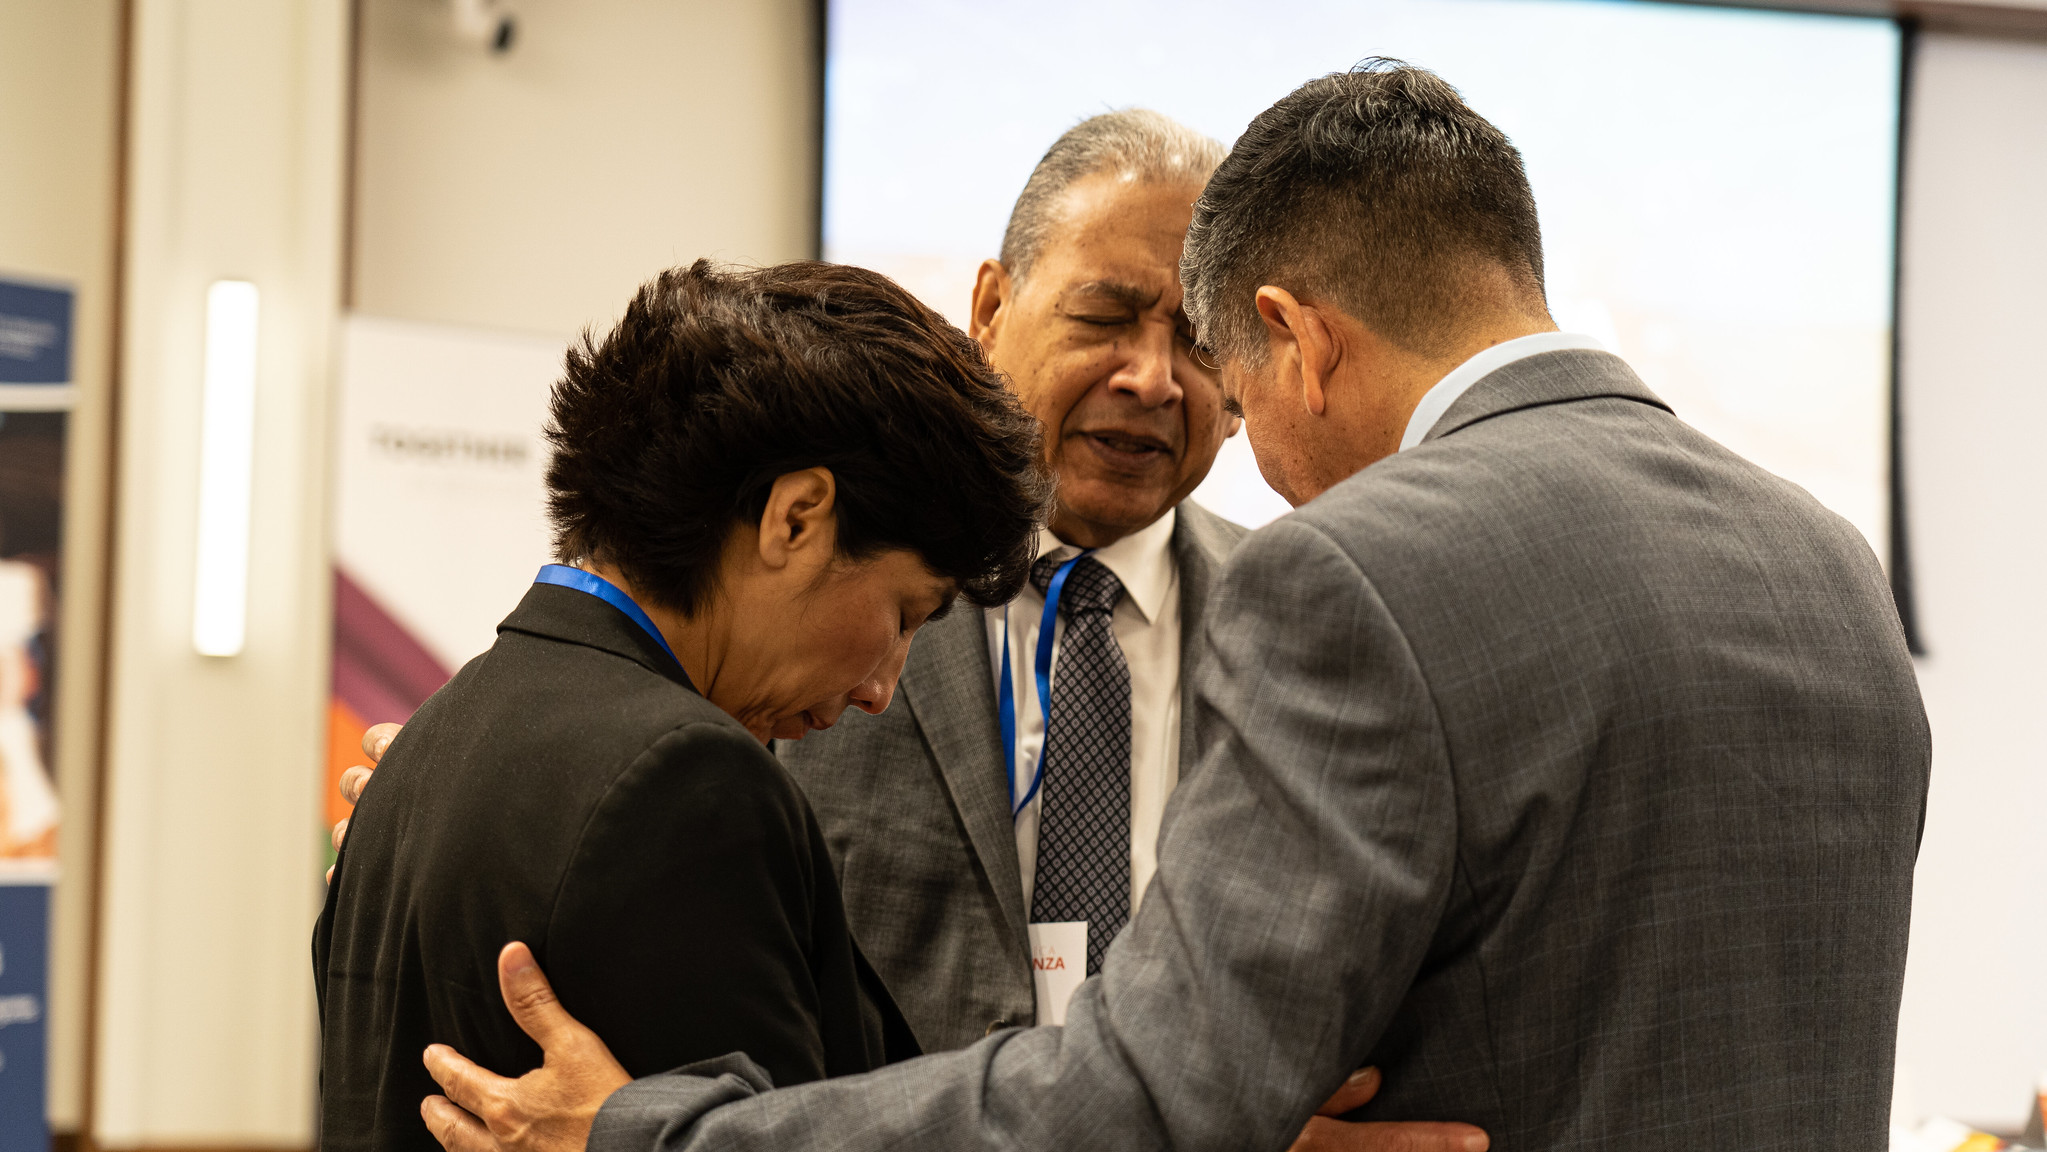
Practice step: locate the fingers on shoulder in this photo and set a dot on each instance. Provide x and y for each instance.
(353, 781)
(378, 739)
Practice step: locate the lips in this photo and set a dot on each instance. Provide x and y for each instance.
(1130, 448)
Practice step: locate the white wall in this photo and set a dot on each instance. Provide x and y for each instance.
(1974, 1032)
(536, 189)
(58, 65)
(212, 862)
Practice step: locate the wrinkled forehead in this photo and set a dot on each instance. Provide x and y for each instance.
(1108, 229)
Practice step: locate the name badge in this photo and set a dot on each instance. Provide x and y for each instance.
(1058, 965)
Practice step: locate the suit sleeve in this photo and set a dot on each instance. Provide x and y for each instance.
(683, 927)
(1302, 873)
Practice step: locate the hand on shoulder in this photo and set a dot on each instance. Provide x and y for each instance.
(374, 742)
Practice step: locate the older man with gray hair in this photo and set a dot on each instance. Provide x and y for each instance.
(975, 812)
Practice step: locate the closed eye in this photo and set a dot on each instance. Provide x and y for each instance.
(936, 614)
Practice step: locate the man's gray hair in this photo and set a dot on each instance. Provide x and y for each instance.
(1137, 142)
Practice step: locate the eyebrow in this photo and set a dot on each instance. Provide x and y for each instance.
(1129, 295)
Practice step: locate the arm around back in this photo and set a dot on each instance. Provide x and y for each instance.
(1302, 874)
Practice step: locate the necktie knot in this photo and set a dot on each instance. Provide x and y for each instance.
(1090, 587)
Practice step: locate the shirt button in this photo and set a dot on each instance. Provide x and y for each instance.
(995, 1026)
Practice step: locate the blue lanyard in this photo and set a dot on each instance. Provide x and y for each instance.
(1042, 667)
(566, 577)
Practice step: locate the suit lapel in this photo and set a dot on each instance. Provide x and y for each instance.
(951, 691)
(1202, 542)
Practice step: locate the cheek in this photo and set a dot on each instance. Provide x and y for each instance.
(1256, 397)
(1262, 424)
(850, 648)
(1205, 415)
(1063, 383)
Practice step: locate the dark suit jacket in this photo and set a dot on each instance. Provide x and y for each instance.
(1567, 766)
(569, 789)
(915, 809)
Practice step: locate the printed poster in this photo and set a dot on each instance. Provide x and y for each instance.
(35, 397)
(439, 515)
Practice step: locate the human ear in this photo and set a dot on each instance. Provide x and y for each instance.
(1298, 332)
(992, 287)
(800, 518)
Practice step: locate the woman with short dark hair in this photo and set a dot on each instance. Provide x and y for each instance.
(763, 482)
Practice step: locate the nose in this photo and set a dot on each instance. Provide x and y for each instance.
(872, 697)
(1147, 374)
(873, 694)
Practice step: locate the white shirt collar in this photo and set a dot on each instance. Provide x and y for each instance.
(1141, 561)
(1438, 399)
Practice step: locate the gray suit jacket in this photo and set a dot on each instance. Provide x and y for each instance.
(1567, 765)
(915, 812)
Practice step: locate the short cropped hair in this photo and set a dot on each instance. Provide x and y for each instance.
(1138, 142)
(1377, 189)
(670, 432)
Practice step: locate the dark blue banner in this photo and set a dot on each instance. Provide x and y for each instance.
(24, 981)
(35, 334)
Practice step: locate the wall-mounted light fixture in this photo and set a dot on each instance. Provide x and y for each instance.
(227, 443)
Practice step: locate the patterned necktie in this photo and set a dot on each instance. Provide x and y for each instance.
(1084, 815)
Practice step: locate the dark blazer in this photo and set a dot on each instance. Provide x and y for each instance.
(915, 809)
(569, 789)
(1567, 766)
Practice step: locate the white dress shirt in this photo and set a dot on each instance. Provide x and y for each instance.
(1146, 625)
(1438, 399)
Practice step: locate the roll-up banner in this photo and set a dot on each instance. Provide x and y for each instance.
(36, 395)
(439, 524)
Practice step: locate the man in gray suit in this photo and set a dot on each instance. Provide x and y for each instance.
(1557, 759)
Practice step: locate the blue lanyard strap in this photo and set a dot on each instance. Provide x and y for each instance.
(566, 577)
(1042, 669)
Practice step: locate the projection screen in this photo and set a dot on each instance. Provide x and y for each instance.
(1717, 187)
